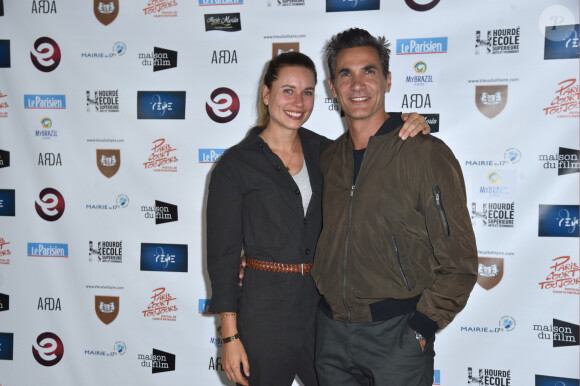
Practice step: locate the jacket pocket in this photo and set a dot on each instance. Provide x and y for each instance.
(441, 210)
(400, 265)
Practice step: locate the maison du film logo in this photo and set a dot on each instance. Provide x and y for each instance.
(162, 306)
(226, 22)
(558, 221)
(223, 105)
(103, 101)
(106, 251)
(563, 277)
(162, 212)
(159, 59)
(485, 377)
(497, 41)
(561, 333)
(159, 361)
(107, 308)
(565, 161)
(106, 11)
(108, 161)
(162, 157)
(493, 214)
(46, 54)
(43, 6)
(491, 100)
(48, 349)
(4, 302)
(561, 42)
(489, 272)
(566, 103)
(50, 204)
(160, 8)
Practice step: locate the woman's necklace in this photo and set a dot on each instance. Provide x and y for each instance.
(266, 139)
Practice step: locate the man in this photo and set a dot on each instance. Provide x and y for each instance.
(396, 259)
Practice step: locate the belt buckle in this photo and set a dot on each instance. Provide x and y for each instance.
(302, 268)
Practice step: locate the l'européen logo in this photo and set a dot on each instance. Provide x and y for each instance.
(48, 349)
(50, 204)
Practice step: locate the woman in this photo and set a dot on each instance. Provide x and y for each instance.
(264, 197)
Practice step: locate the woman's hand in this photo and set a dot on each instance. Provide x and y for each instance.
(234, 354)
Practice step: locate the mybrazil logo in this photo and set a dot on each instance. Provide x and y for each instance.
(164, 257)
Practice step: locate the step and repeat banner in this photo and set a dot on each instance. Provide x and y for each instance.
(112, 113)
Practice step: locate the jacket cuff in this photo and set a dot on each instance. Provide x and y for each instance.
(423, 325)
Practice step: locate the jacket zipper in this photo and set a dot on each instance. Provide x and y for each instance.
(400, 265)
(344, 262)
(437, 194)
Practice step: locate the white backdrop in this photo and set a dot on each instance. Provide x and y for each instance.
(150, 279)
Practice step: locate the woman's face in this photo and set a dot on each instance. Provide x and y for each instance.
(290, 100)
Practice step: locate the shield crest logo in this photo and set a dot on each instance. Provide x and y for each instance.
(109, 161)
(106, 11)
(489, 272)
(107, 308)
(491, 100)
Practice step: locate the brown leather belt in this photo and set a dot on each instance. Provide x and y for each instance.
(278, 267)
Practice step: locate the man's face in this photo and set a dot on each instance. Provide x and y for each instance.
(359, 83)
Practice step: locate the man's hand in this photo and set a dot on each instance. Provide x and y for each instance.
(241, 269)
(414, 124)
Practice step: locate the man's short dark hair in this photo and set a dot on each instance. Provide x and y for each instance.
(356, 37)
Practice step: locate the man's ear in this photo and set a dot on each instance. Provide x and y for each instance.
(331, 87)
(388, 86)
